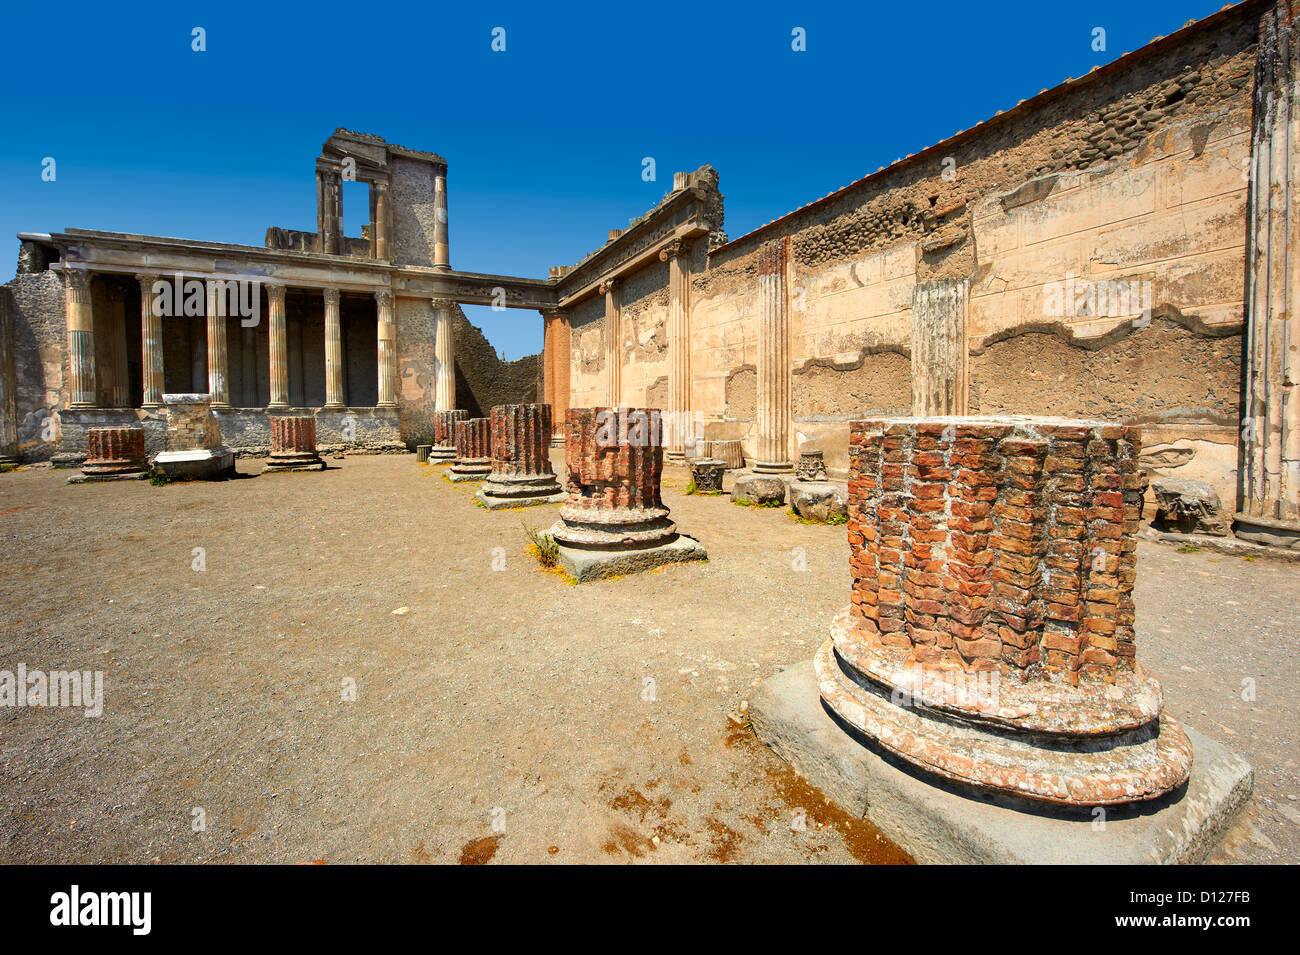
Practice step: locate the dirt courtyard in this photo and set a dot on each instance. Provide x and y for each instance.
(499, 714)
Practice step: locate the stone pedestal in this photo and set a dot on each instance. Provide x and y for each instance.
(444, 434)
(521, 473)
(707, 474)
(293, 445)
(760, 490)
(422, 453)
(194, 448)
(113, 454)
(821, 501)
(473, 450)
(615, 521)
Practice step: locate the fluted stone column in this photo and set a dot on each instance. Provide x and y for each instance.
(80, 321)
(615, 521)
(333, 352)
(218, 354)
(9, 453)
(1270, 476)
(556, 361)
(441, 246)
(613, 341)
(444, 353)
(677, 256)
(151, 342)
(939, 348)
(278, 347)
(473, 450)
(293, 444)
(387, 343)
(114, 453)
(443, 448)
(381, 220)
(521, 473)
(773, 360)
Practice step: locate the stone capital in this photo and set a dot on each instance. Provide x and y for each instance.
(609, 285)
(672, 250)
(443, 304)
(147, 281)
(384, 298)
(77, 280)
(274, 292)
(331, 297)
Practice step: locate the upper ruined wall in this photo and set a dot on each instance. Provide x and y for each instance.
(1129, 179)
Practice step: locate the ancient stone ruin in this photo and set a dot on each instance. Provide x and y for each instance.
(113, 454)
(989, 639)
(706, 474)
(443, 448)
(521, 474)
(293, 445)
(615, 521)
(194, 446)
(473, 450)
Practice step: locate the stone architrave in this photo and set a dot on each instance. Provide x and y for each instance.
(473, 450)
(293, 445)
(444, 434)
(113, 454)
(615, 521)
(194, 447)
(990, 637)
(521, 460)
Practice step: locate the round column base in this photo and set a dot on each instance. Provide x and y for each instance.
(1091, 745)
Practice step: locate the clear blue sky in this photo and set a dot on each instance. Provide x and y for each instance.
(544, 141)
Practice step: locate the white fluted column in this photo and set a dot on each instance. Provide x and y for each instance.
(677, 255)
(387, 343)
(333, 352)
(151, 342)
(218, 354)
(613, 293)
(773, 360)
(277, 347)
(444, 354)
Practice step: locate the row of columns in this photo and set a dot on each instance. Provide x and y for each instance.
(81, 346)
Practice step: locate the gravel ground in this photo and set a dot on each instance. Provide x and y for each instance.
(500, 714)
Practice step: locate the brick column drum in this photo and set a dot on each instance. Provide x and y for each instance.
(615, 521)
(293, 444)
(444, 434)
(114, 453)
(990, 635)
(473, 450)
(521, 458)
